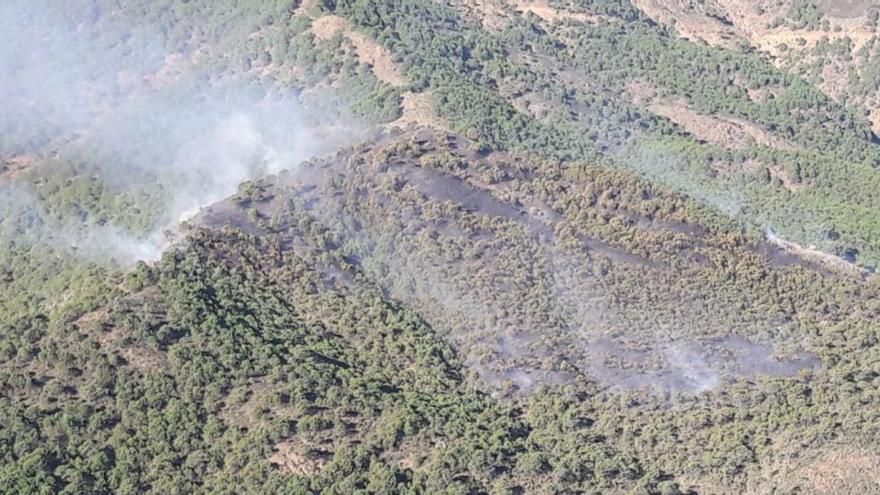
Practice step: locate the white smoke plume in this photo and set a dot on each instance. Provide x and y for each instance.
(83, 87)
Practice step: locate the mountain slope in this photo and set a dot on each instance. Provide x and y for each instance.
(434, 247)
(297, 341)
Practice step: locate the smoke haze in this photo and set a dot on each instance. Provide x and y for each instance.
(526, 306)
(158, 126)
(82, 90)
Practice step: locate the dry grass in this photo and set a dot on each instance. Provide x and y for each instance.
(144, 360)
(811, 253)
(245, 404)
(749, 20)
(418, 111)
(172, 68)
(762, 94)
(96, 325)
(832, 470)
(727, 131)
(92, 324)
(328, 26)
(691, 23)
(533, 103)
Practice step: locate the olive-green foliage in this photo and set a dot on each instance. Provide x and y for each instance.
(339, 349)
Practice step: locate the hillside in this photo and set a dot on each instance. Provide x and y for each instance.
(831, 44)
(438, 247)
(304, 325)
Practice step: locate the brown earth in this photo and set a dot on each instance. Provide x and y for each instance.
(492, 14)
(691, 22)
(728, 23)
(288, 460)
(727, 131)
(368, 51)
(418, 110)
(844, 470)
(305, 7)
(550, 14)
(17, 165)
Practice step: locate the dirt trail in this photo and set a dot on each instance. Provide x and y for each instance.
(811, 254)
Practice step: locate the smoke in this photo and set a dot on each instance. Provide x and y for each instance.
(88, 91)
(531, 301)
(93, 94)
(661, 163)
(668, 336)
(24, 218)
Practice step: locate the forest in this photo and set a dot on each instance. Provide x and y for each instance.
(453, 247)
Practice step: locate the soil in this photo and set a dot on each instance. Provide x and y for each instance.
(368, 51)
(726, 131)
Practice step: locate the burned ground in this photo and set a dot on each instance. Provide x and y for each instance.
(417, 215)
(547, 279)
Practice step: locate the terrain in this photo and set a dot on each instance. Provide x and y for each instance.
(439, 247)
